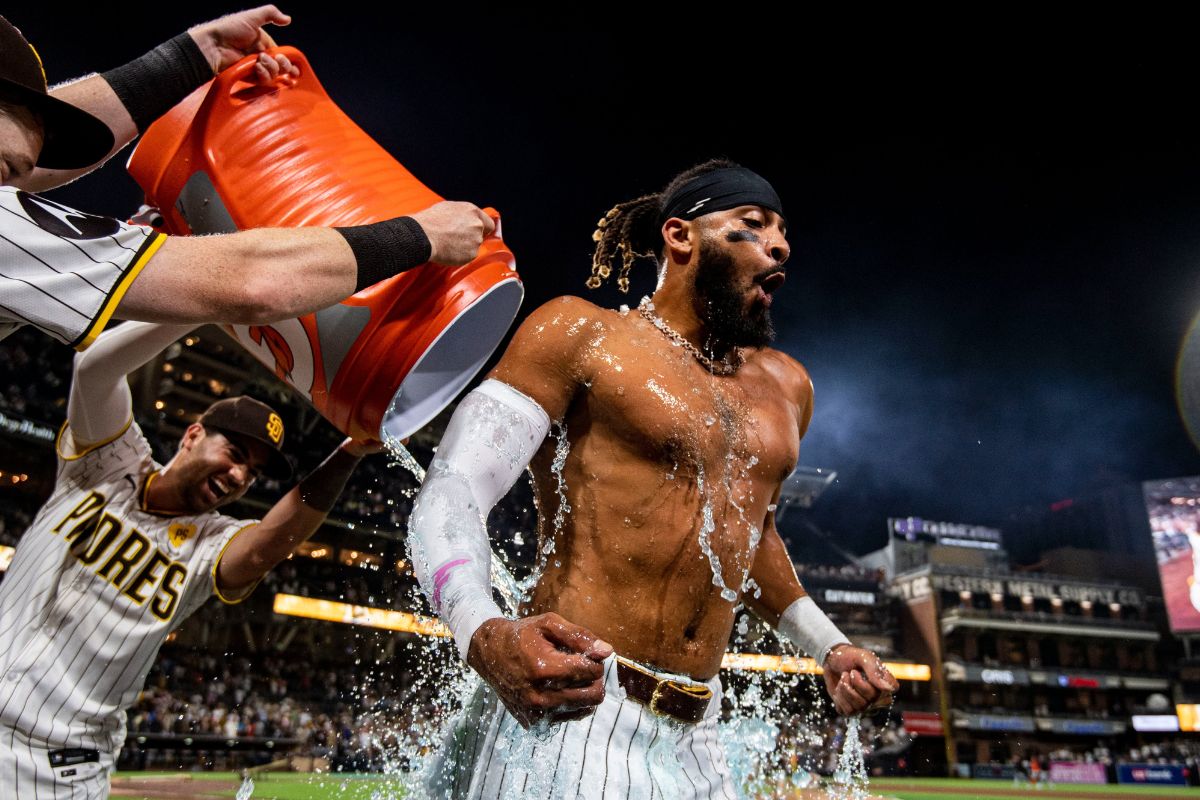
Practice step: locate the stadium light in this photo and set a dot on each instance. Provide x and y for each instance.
(803, 487)
(387, 619)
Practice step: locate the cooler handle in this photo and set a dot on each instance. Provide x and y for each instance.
(239, 84)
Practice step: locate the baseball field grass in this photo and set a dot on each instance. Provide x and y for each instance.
(291, 786)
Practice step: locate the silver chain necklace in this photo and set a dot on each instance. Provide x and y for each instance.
(723, 367)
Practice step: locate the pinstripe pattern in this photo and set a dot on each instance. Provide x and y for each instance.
(620, 751)
(76, 648)
(56, 283)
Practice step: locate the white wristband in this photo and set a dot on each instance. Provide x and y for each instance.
(810, 630)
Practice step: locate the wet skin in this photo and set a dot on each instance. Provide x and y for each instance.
(633, 570)
(647, 424)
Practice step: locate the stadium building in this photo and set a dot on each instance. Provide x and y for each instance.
(1028, 665)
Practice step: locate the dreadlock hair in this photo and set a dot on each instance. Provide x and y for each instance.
(630, 230)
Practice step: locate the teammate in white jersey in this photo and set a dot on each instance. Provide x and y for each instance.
(122, 552)
(68, 273)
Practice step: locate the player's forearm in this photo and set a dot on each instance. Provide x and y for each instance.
(290, 522)
(94, 95)
(490, 439)
(264, 275)
(99, 402)
(783, 603)
(250, 278)
(775, 583)
(255, 551)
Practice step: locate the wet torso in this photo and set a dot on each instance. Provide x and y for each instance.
(670, 477)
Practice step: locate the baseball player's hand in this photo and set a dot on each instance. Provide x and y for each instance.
(455, 230)
(857, 680)
(227, 40)
(541, 666)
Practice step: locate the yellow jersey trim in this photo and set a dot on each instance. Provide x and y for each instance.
(144, 495)
(90, 447)
(217, 589)
(149, 248)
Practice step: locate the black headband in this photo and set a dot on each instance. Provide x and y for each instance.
(720, 190)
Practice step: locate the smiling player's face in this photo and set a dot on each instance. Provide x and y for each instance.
(215, 468)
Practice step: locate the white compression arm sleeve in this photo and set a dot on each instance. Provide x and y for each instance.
(490, 439)
(809, 629)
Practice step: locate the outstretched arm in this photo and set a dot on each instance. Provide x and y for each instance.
(539, 666)
(254, 551)
(129, 98)
(260, 276)
(100, 405)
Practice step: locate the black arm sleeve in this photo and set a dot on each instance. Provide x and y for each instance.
(150, 85)
(387, 248)
(321, 489)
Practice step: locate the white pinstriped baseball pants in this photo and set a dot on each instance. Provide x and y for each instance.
(623, 750)
(26, 774)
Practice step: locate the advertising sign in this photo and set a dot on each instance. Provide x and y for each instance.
(1037, 587)
(1082, 727)
(1077, 772)
(1151, 773)
(27, 429)
(1160, 723)
(972, 673)
(850, 597)
(993, 722)
(922, 723)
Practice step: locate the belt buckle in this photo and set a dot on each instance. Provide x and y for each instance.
(654, 698)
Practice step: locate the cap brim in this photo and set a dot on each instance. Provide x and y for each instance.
(74, 139)
(278, 466)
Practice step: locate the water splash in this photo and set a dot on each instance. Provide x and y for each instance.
(850, 777)
(707, 526)
(669, 400)
(402, 457)
(772, 751)
(562, 448)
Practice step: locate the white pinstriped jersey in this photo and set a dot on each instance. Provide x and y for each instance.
(95, 586)
(64, 271)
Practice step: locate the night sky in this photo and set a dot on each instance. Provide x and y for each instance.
(994, 248)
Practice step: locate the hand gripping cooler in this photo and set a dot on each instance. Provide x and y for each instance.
(237, 155)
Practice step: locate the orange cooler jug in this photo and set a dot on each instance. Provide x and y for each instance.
(383, 362)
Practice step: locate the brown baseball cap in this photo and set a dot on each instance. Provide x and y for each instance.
(73, 137)
(248, 417)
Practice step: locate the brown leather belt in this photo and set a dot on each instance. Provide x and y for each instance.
(685, 702)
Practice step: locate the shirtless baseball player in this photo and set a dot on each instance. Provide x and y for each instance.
(122, 552)
(68, 273)
(682, 425)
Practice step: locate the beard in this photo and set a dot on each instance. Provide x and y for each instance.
(721, 304)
